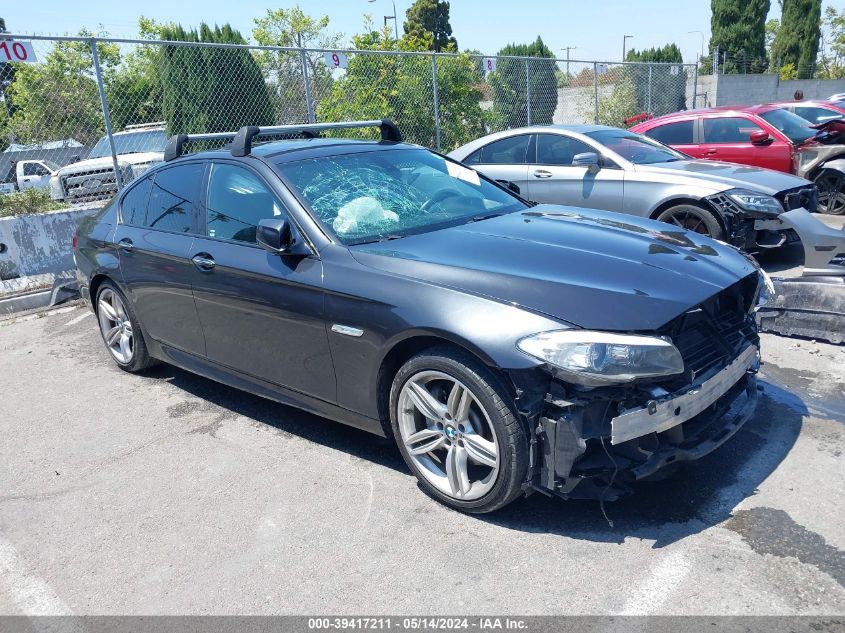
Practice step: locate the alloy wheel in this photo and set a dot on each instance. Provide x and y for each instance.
(115, 326)
(831, 186)
(689, 221)
(448, 435)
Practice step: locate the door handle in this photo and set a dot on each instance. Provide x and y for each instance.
(710, 152)
(203, 261)
(125, 244)
(542, 173)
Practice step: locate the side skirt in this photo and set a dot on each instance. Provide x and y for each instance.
(258, 387)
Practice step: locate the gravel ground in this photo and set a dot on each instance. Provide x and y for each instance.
(168, 493)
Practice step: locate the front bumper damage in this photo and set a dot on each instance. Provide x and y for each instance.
(590, 450)
(593, 443)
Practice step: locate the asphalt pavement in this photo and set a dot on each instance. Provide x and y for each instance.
(167, 493)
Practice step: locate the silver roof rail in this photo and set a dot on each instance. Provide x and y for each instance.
(242, 139)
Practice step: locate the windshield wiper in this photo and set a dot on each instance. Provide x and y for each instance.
(478, 218)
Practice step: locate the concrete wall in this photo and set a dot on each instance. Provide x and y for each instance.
(753, 89)
(38, 244)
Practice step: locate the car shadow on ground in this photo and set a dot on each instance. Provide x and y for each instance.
(778, 260)
(699, 495)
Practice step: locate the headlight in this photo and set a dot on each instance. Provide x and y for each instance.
(601, 358)
(56, 192)
(752, 201)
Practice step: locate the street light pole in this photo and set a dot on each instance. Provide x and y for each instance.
(625, 39)
(701, 33)
(391, 17)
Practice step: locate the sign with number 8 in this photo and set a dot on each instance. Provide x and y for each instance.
(489, 64)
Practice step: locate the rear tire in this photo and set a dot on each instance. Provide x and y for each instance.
(120, 329)
(831, 186)
(692, 218)
(457, 432)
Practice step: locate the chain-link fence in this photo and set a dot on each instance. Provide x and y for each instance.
(89, 114)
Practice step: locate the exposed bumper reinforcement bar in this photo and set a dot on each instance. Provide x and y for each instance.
(662, 415)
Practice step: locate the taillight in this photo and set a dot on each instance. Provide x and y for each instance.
(74, 242)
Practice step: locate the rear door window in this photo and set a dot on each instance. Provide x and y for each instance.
(677, 133)
(507, 151)
(133, 208)
(237, 201)
(172, 203)
(729, 130)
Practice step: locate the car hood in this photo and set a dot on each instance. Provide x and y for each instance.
(595, 269)
(93, 164)
(727, 175)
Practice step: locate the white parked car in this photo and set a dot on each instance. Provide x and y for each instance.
(138, 148)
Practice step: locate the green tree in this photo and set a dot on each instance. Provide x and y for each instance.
(738, 28)
(283, 69)
(211, 89)
(430, 16)
(509, 86)
(797, 39)
(659, 88)
(620, 104)
(57, 98)
(399, 87)
(832, 46)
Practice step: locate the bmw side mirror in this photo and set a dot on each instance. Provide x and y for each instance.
(510, 186)
(277, 236)
(590, 160)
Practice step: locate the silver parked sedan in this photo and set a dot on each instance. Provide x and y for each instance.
(609, 168)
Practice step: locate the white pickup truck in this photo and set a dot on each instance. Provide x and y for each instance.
(138, 148)
(29, 174)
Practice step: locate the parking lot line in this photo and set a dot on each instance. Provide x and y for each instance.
(29, 593)
(649, 597)
(78, 319)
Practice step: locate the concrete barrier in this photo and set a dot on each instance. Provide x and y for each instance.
(36, 249)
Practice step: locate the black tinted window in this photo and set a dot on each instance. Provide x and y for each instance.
(171, 205)
(729, 130)
(679, 133)
(133, 209)
(473, 158)
(554, 149)
(237, 201)
(508, 151)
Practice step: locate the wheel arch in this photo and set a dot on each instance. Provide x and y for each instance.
(404, 348)
(695, 202)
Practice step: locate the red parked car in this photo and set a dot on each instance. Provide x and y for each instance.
(763, 136)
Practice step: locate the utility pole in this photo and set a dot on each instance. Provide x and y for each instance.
(567, 49)
(625, 39)
(391, 17)
(701, 33)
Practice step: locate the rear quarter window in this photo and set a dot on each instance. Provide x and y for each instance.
(133, 208)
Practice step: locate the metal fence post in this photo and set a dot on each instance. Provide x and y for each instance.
(528, 90)
(118, 177)
(596, 92)
(649, 88)
(436, 101)
(716, 61)
(309, 105)
(695, 83)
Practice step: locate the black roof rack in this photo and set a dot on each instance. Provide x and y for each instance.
(242, 139)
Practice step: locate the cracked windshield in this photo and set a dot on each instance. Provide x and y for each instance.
(374, 196)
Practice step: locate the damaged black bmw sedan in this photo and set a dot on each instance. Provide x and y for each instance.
(505, 347)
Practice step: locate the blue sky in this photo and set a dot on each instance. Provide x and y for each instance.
(595, 28)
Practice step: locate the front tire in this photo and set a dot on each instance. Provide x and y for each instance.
(692, 218)
(456, 431)
(831, 187)
(120, 329)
